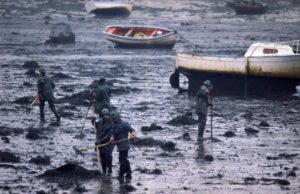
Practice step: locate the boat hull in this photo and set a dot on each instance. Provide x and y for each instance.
(166, 40)
(254, 75)
(104, 8)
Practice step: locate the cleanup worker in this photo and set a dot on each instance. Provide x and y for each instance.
(203, 100)
(103, 135)
(121, 129)
(45, 86)
(102, 94)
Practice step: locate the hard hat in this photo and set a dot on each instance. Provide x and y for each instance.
(207, 83)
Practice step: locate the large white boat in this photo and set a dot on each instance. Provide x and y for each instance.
(108, 8)
(263, 62)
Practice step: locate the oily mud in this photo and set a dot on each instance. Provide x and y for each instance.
(255, 144)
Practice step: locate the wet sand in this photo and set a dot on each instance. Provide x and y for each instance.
(257, 158)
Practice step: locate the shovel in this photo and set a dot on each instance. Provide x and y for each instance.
(81, 132)
(80, 151)
(29, 108)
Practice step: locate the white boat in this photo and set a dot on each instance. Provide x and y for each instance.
(140, 36)
(262, 61)
(108, 8)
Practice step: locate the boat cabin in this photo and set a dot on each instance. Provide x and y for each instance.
(269, 49)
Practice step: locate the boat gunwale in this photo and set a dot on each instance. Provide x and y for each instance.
(171, 32)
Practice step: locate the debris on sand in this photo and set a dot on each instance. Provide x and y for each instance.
(6, 156)
(186, 136)
(127, 188)
(79, 188)
(152, 127)
(264, 124)
(34, 134)
(24, 100)
(61, 76)
(229, 134)
(208, 157)
(5, 139)
(251, 131)
(167, 146)
(31, 65)
(185, 119)
(40, 160)
(79, 99)
(31, 73)
(7, 131)
(61, 33)
(148, 171)
(252, 181)
(70, 171)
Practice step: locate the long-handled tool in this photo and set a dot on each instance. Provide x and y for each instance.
(29, 108)
(211, 118)
(80, 151)
(87, 112)
(97, 149)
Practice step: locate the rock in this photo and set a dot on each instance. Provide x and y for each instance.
(40, 160)
(229, 134)
(291, 173)
(34, 134)
(251, 131)
(152, 127)
(185, 119)
(61, 33)
(31, 65)
(65, 114)
(32, 73)
(277, 181)
(27, 84)
(278, 174)
(186, 136)
(24, 100)
(41, 192)
(168, 146)
(264, 124)
(147, 171)
(79, 188)
(209, 158)
(127, 188)
(8, 157)
(61, 76)
(70, 171)
(81, 98)
(287, 156)
(5, 139)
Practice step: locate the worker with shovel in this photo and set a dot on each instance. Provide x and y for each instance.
(203, 100)
(102, 94)
(103, 135)
(45, 86)
(121, 129)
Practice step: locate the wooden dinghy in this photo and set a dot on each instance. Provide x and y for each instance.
(140, 36)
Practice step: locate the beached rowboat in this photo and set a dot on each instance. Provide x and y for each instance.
(140, 36)
(108, 8)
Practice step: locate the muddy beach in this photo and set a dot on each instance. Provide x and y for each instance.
(256, 140)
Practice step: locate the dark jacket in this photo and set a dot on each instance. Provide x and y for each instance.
(45, 87)
(202, 100)
(103, 94)
(120, 132)
(103, 134)
(103, 131)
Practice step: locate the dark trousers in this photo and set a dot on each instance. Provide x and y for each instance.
(201, 124)
(51, 106)
(124, 163)
(106, 161)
